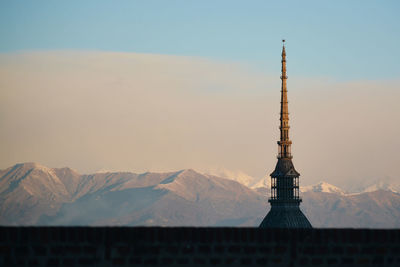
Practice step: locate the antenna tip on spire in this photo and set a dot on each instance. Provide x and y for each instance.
(283, 40)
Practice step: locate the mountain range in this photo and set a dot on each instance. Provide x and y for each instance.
(32, 194)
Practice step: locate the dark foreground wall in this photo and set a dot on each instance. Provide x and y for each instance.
(102, 246)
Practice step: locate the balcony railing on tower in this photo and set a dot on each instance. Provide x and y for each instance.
(285, 189)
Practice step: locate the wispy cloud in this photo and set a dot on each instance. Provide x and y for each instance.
(125, 111)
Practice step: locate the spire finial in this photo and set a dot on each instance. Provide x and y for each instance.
(283, 48)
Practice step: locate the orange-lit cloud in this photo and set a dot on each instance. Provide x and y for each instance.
(142, 112)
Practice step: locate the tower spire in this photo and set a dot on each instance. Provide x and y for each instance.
(285, 200)
(284, 142)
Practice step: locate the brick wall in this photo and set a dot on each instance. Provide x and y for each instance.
(112, 246)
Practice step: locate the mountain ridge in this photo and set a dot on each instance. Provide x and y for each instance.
(32, 194)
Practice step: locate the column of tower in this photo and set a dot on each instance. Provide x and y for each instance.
(284, 143)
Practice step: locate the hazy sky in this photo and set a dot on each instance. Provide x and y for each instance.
(167, 85)
(340, 39)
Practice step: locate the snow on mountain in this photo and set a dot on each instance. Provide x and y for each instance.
(379, 209)
(32, 194)
(381, 186)
(386, 183)
(194, 186)
(34, 179)
(322, 187)
(179, 198)
(237, 176)
(262, 183)
(27, 191)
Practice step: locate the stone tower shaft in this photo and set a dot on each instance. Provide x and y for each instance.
(284, 142)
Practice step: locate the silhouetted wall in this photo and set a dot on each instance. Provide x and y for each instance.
(123, 246)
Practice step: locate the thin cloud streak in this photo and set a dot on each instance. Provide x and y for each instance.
(143, 112)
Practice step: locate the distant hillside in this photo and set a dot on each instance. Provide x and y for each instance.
(31, 194)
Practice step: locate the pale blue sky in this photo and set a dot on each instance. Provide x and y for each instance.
(343, 40)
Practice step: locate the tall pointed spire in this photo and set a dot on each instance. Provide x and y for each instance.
(285, 200)
(284, 143)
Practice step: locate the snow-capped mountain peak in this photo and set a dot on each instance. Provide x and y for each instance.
(322, 187)
(238, 176)
(381, 186)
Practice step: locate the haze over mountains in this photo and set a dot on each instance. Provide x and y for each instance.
(32, 194)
